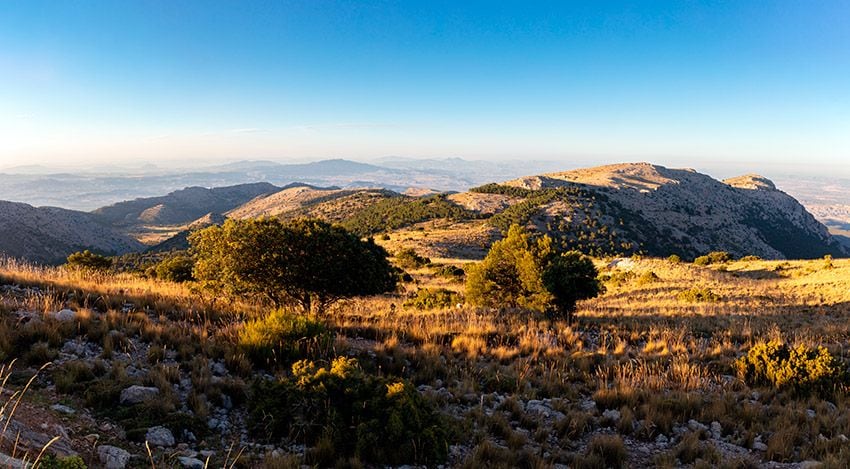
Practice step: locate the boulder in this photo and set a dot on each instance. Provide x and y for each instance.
(113, 457)
(138, 394)
(611, 414)
(716, 430)
(63, 409)
(219, 369)
(159, 436)
(191, 463)
(64, 315)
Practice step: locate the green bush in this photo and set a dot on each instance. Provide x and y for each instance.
(408, 259)
(282, 337)
(800, 367)
(88, 261)
(698, 295)
(306, 262)
(648, 277)
(342, 412)
(521, 271)
(714, 257)
(175, 269)
(449, 271)
(50, 461)
(434, 298)
(617, 278)
(750, 258)
(674, 259)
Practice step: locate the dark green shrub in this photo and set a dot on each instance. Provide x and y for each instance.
(434, 298)
(50, 461)
(408, 259)
(346, 412)
(449, 271)
(750, 258)
(698, 295)
(175, 269)
(714, 257)
(800, 367)
(524, 271)
(306, 262)
(87, 260)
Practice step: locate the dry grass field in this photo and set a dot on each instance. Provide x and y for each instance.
(645, 377)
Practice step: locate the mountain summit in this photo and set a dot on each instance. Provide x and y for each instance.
(682, 211)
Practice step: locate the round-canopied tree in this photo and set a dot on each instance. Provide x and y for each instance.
(521, 271)
(305, 261)
(509, 276)
(570, 277)
(88, 261)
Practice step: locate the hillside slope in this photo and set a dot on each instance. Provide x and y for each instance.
(49, 234)
(661, 211)
(183, 206)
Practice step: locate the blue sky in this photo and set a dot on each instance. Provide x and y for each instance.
(685, 83)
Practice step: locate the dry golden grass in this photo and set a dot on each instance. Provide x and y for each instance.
(638, 348)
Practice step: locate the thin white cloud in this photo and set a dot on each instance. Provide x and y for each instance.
(342, 126)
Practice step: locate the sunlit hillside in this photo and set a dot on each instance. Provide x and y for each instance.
(646, 375)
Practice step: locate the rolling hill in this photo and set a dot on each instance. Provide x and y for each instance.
(183, 206)
(48, 234)
(609, 210)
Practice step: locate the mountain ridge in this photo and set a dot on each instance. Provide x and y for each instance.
(606, 210)
(48, 234)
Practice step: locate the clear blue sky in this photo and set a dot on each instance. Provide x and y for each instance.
(674, 82)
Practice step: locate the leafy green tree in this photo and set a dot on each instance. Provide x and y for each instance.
(307, 262)
(509, 276)
(571, 277)
(520, 271)
(89, 261)
(175, 269)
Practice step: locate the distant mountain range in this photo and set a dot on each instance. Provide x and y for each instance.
(607, 210)
(90, 188)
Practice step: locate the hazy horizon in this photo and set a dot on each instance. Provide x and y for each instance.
(678, 84)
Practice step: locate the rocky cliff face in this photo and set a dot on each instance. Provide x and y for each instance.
(664, 211)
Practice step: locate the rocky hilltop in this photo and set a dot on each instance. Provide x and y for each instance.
(665, 211)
